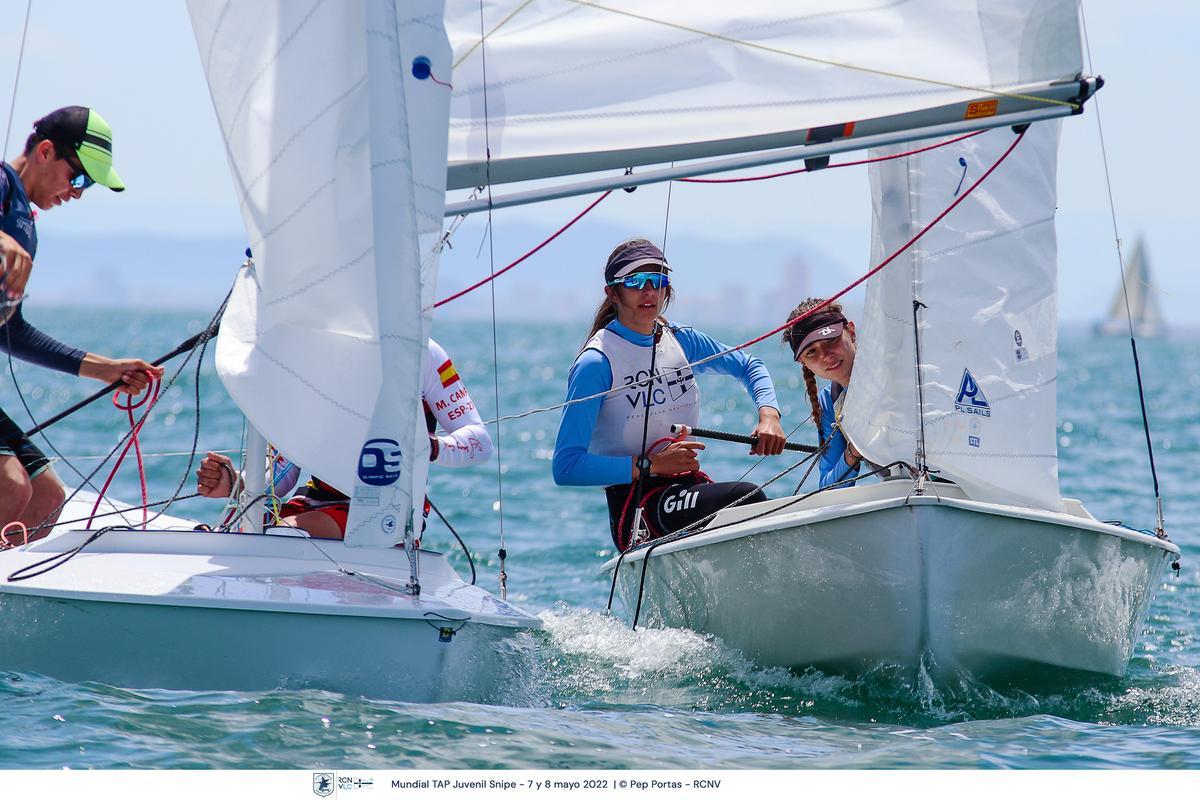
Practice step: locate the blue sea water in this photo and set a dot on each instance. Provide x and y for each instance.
(595, 694)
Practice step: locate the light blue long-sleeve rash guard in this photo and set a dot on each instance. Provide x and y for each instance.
(833, 461)
(591, 375)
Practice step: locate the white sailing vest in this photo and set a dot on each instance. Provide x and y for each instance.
(673, 395)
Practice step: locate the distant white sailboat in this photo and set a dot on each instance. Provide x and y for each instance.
(1135, 302)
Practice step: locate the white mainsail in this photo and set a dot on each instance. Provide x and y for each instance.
(1135, 301)
(574, 86)
(986, 279)
(339, 163)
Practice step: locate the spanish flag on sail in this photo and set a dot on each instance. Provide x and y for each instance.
(447, 373)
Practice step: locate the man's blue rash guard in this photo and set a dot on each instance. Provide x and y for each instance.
(17, 336)
(833, 461)
(591, 375)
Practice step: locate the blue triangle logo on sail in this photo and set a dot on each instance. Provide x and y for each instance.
(971, 399)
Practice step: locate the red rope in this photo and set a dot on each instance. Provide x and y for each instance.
(596, 202)
(833, 166)
(135, 426)
(893, 256)
(5, 544)
(500, 272)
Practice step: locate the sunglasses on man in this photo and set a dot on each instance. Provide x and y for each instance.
(80, 180)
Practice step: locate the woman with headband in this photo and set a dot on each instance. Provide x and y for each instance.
(824, 344)
(634, 361)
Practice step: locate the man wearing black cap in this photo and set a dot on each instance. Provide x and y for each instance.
(68, 151)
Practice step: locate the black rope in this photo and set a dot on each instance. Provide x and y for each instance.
(761, 459)
(183, 347)
(643, 460)
(155, 504)
(228, 525)
(1112, 207)
(696, 526)
(58, 559)
(461, 544)
(820, 452)
(502, 552)
(1137, 369)
(917, 304)
(203, 342)
(667, 213)
(612, 589)
(17, 78)
(1145, 419)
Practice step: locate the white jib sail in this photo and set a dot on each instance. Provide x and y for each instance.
(986, 278)
(335, 125)
(575, 86)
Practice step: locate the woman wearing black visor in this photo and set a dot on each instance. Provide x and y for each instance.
(608, 441)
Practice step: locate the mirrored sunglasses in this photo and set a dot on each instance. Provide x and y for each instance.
(80, 180)
(638, 280)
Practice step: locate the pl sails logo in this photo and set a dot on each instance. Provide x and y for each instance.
(971, 399)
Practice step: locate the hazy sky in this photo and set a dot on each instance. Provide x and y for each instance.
(136, 62)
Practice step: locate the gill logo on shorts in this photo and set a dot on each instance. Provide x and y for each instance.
(681, 502)
(379, 462)
(971, 399)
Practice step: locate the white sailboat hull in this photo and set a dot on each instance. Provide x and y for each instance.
(1142, 329)
(179, 609)
(873, 575)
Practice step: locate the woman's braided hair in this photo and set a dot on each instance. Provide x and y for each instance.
(792, 336)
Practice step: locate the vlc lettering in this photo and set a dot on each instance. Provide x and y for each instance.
(644, 399)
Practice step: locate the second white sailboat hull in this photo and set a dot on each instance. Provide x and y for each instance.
(180, 609)
(197, 648)
(888, 578)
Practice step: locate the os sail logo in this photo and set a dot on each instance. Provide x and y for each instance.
(379, 462)
(971, 399)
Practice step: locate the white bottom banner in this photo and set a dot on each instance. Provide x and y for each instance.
(618, 785)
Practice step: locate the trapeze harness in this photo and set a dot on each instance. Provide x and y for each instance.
(670, 502)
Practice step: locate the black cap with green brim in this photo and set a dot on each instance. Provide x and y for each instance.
(85, 132)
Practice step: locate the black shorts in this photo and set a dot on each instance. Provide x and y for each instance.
(13, 443)
(671, 505)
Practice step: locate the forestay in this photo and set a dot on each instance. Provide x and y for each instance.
(574, 86)
(336, 139)
(986, 280)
